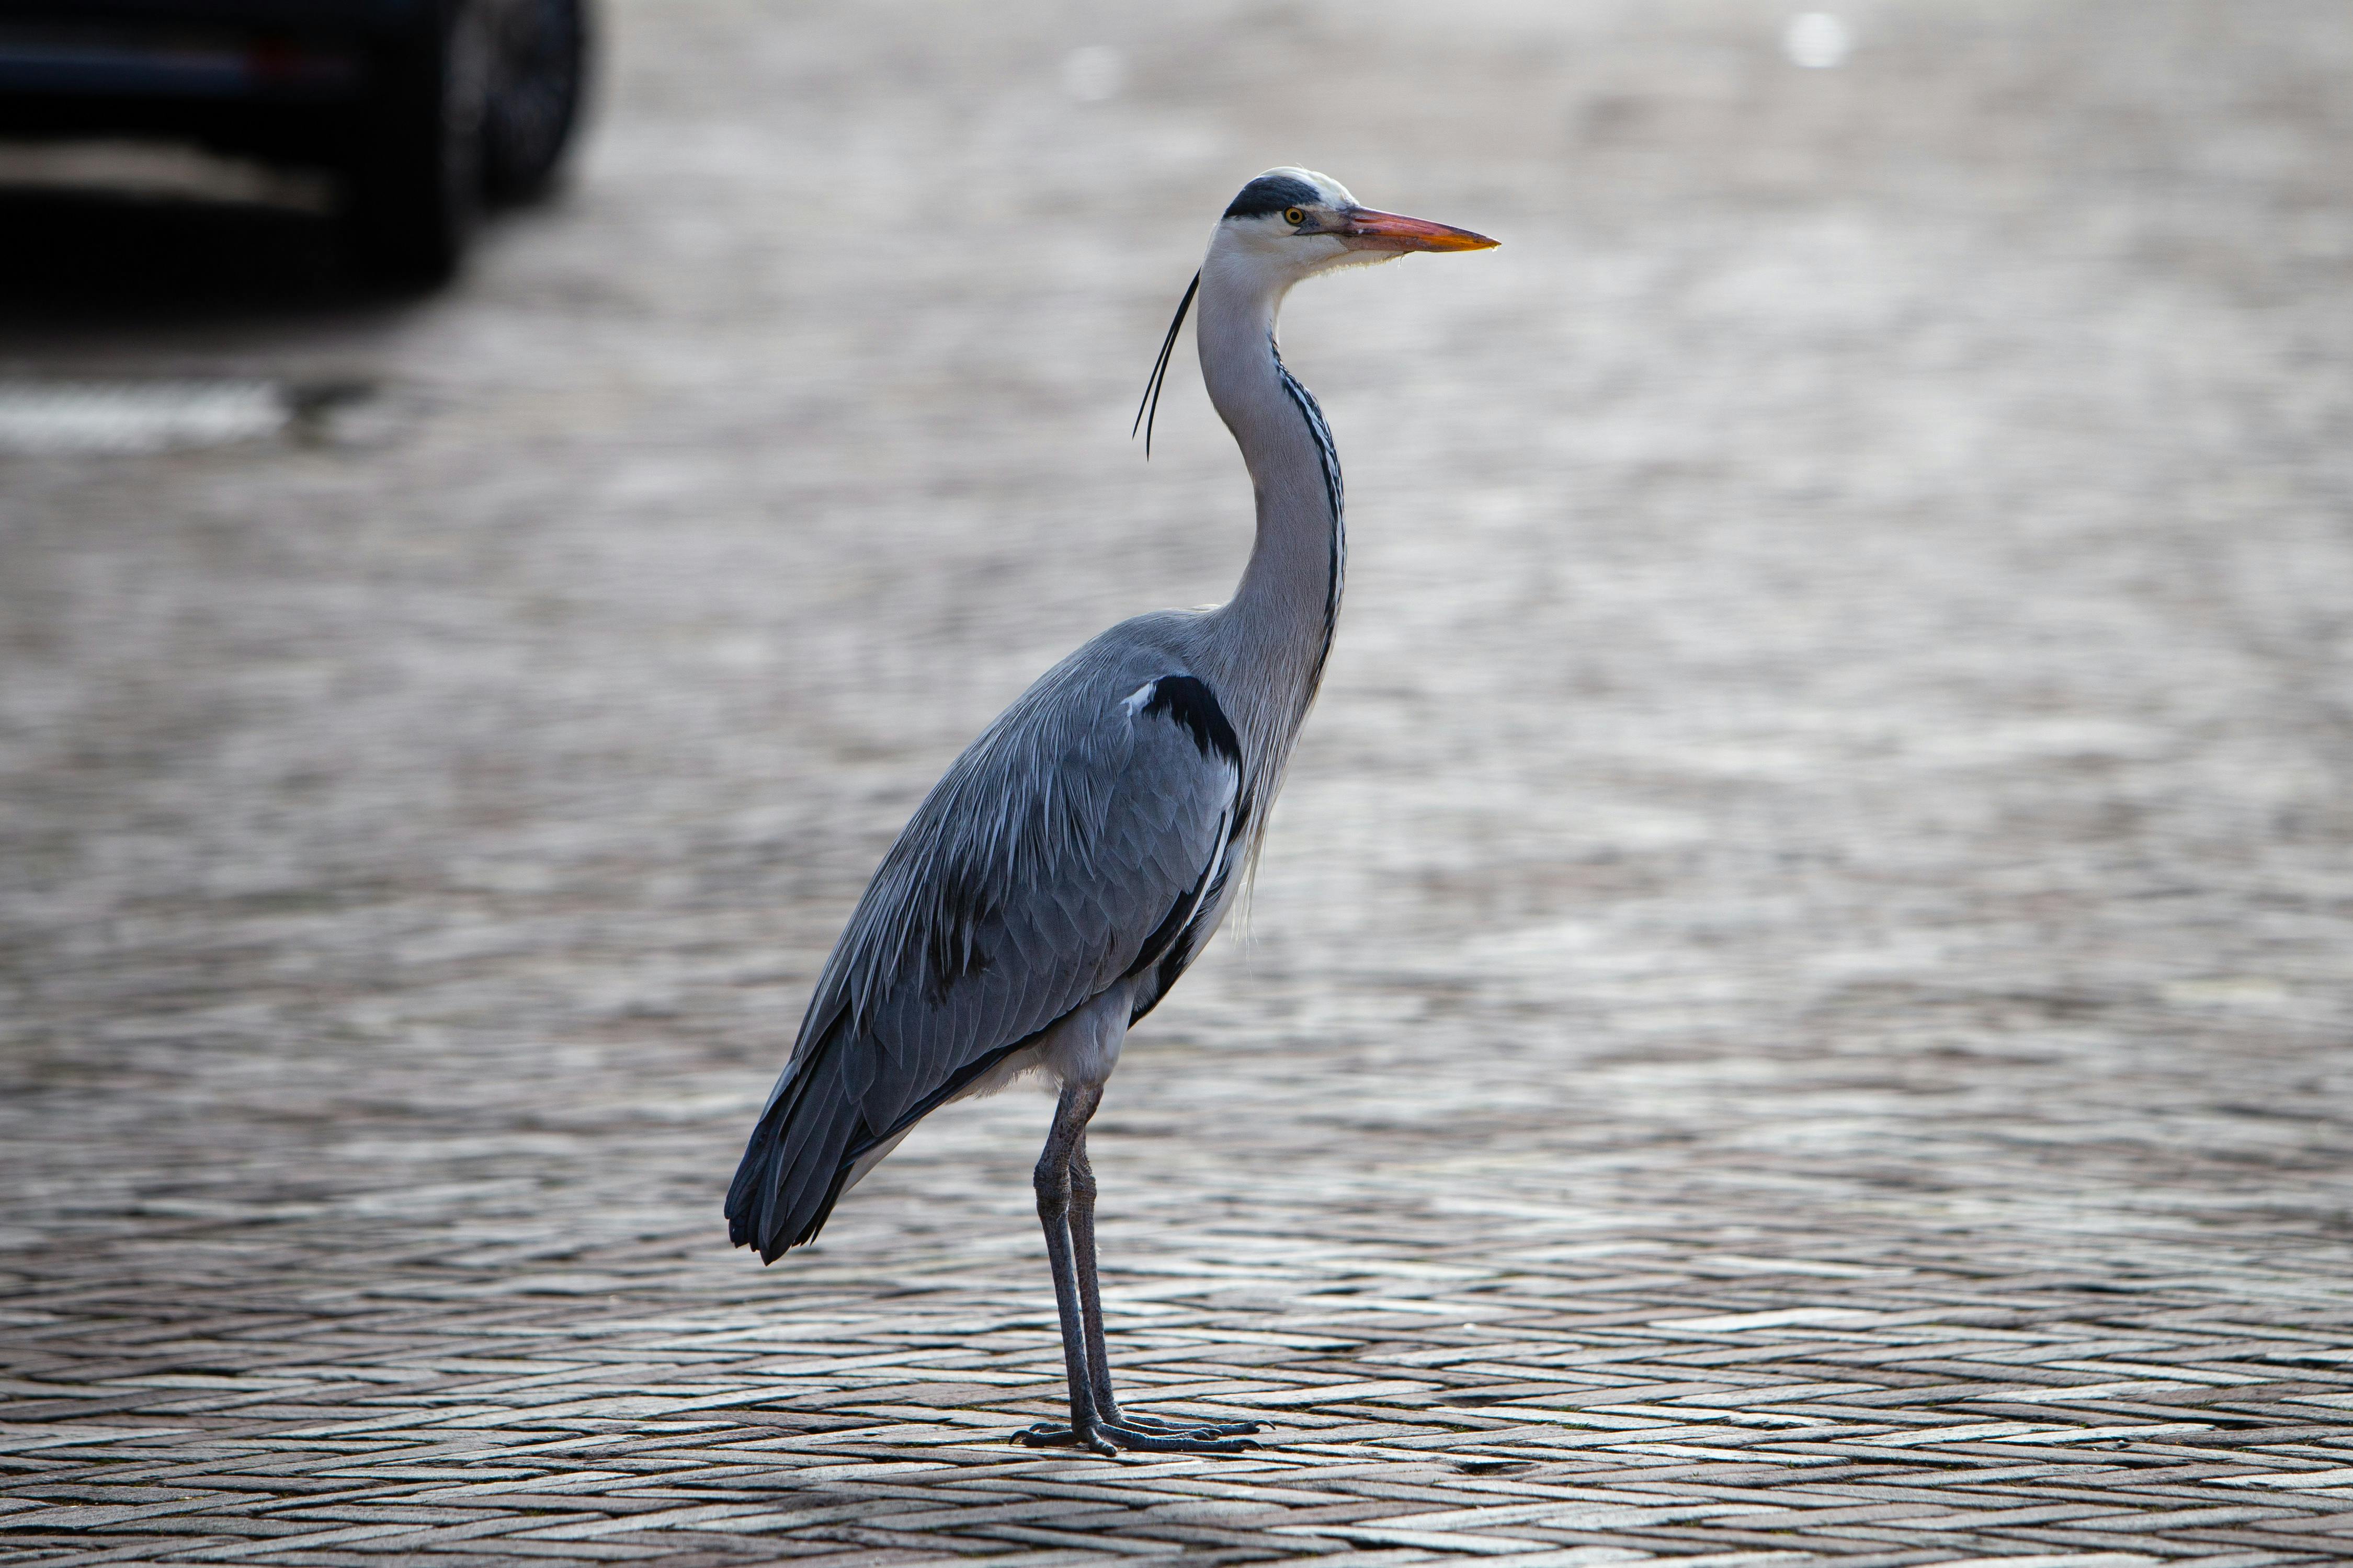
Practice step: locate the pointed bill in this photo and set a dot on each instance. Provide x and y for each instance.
(1370, 230)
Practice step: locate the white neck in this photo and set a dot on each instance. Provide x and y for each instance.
(1274, 634)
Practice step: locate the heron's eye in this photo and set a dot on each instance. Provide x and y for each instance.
(1293, 216)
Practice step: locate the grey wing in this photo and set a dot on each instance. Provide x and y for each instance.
(1076, 846)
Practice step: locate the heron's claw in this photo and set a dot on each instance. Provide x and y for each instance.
(1108, 1437)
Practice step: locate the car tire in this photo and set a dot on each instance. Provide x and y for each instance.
(539, 67)
(416, 179)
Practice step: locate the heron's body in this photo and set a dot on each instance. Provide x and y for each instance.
(1077, 857)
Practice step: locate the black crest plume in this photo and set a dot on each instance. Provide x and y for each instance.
(1150, 406)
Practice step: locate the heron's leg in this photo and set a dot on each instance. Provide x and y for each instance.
(1053, 1183)
(1082, 1254)
(1092, 1425)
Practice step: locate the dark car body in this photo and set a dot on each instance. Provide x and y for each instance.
(419, 106)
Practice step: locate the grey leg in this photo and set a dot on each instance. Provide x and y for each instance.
(1082, 1253)
(1095, 1422)
(1052, 1181)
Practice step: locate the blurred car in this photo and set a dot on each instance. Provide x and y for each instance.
(425, 109)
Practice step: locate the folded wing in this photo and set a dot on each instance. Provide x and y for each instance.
(1076, 846)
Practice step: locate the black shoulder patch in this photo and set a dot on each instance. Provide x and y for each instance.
(1188, 700)
(1272, 194)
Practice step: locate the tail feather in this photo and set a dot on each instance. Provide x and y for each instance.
(811, 1136)
(792, 1167)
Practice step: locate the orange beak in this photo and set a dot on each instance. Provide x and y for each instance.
(1370, 230)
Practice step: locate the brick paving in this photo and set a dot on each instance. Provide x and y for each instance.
(1797, 1010)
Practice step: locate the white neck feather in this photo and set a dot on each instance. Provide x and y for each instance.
(1272, 635)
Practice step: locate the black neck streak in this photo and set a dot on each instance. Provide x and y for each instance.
(1328, 456)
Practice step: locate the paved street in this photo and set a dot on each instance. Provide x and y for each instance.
(1797, 1010)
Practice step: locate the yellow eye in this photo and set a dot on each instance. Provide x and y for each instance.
(1293, 216)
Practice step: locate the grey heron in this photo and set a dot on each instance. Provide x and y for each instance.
(1075, 859)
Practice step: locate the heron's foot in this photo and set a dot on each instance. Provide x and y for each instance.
(1107, 1438)
(1046, 1434)
(1188, 1429)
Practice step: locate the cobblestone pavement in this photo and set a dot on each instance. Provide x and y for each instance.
(1797, 1010)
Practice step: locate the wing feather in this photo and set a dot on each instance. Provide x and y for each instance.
(1067, 850)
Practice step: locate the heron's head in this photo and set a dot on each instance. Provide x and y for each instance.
(1291, 224)
(1286, 226)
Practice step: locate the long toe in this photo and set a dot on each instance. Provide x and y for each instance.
(1194, 1428)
